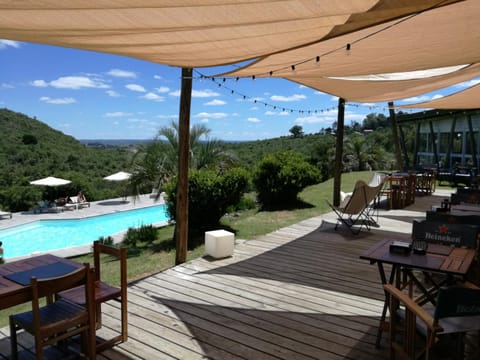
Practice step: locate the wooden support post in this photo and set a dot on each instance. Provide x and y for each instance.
(395, 139)
(337, 179)
(435, 143)
(181, 216)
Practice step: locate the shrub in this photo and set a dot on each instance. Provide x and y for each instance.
(144, 234)
(106, 240)
(210, 194)
(279, 177)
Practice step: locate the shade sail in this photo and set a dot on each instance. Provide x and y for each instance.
(284, 37)
(119, 176)
(466, 99)
(50, 181)
(437, 38)
(194, 33)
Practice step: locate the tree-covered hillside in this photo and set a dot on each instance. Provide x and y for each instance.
(29, 150)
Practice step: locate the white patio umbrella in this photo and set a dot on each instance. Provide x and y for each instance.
(50, 181)
(119, 176)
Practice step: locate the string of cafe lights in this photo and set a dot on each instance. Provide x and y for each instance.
(221, 82)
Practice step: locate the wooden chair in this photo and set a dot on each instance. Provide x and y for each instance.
(60, 319)
(105, 292)
(456, 313)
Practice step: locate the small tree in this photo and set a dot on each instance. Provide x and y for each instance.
(296, 131)
(210, 194)
(279, 178)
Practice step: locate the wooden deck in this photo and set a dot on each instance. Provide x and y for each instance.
(298, 293)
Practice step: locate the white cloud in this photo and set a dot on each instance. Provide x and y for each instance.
(122, 73)
(158, 77)
(39, 83)
(6, 86)
(173, 116)
(417, 99)
(295, 97)
(280, 113)
(215, 102)
(71, 82)
(438, 96)
(9, 43)
(253, 120)
(58, 101)
(163, 89)
(135, 87)
(197, 93)
(204, 93)
(77, 82)
(117, 114)
(112, 93)
(211, 115)
(153, 96)
(204, 121)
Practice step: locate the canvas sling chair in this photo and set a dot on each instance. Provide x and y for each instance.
(356, 208)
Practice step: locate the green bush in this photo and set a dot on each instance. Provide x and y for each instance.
(106, 240)
(144, 234)
(280, 177)
(210, 194)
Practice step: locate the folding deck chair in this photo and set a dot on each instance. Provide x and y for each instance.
(357, 209)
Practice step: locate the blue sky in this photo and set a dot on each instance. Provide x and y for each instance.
(92, 95)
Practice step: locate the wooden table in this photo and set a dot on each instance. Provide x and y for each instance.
(456, 262)
(13, 293)
(397, 187)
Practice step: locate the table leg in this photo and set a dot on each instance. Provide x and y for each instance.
(384, 325)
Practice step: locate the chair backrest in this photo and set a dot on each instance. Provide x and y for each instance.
(361, 197)
(51, 286)
(119, 253)
(459, 235)
(435, 216)
(464, 195)
(456, 301)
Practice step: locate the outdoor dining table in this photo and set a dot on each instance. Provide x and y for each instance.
(15, 276)
(440, 259)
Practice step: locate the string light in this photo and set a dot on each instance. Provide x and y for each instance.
(223, 81)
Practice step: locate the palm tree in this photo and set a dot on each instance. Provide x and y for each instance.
(157, 162)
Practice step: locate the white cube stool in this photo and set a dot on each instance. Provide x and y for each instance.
(219, 243)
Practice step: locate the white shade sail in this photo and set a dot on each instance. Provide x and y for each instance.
(50, 181)
(119, 176)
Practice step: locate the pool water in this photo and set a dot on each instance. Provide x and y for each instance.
(49, 235)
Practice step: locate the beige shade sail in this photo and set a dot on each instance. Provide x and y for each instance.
(466, 99)
(196, 33)
(442, 37)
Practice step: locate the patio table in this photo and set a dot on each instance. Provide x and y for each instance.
(13, 292)
(440, 259)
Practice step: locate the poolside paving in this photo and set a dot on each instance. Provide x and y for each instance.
(96, 208)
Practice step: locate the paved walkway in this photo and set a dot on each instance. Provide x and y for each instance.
(96, 208)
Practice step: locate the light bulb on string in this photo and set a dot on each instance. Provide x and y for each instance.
(348, 49)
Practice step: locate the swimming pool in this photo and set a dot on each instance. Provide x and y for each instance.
(49, 235)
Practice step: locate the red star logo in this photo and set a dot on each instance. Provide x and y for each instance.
(443, 229)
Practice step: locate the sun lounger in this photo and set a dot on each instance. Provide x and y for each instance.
(74, 201)
(46, 207)
(5, 213)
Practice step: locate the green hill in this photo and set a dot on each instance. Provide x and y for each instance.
(29, 150)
